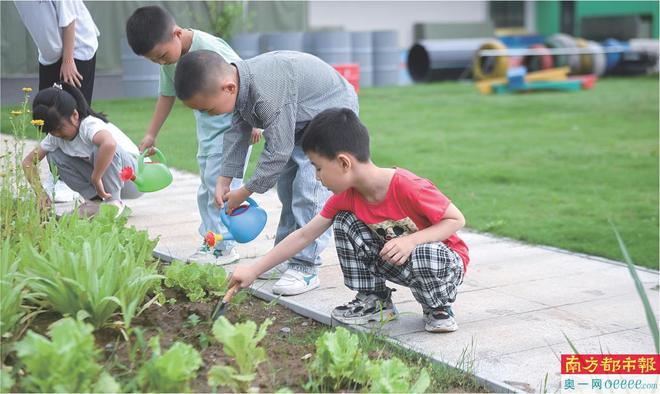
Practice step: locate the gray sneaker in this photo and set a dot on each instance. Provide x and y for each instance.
(89, 208)
(366, 308)
(440, 320)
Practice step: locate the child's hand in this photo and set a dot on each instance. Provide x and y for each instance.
(44, 202)
(256, 135)
(148, 142)
(221, 189)
(100, 190)
(236, 197)
(397, 251)
(243, 275)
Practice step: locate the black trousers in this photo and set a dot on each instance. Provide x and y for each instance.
(50, 74)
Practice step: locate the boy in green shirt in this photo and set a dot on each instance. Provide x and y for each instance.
(152, 32)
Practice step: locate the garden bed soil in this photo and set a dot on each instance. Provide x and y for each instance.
(290, 343)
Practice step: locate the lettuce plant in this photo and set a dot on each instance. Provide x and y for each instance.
(394, 376)
(170, 372)
(240, 342)
(68, 362)
(198, 281)
(339, 363)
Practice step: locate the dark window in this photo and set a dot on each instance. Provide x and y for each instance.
(507, 13)
(567, 17)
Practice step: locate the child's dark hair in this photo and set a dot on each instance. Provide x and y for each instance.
(147, 27)
(337, 130)
(55, 105)
(196, 72)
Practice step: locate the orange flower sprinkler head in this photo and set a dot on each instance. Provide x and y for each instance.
(127, 174)
(212, 238)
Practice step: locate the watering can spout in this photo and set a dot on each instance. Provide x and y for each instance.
(212, 238)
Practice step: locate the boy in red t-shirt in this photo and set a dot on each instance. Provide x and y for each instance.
(389, 224)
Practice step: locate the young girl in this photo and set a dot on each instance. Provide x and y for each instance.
(87, 150)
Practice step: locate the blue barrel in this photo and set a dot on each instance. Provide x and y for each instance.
(612, 58)
(362, 53)
(246, 44)
(386, 57)
(140, 77)
(333, 47)
(285, 41)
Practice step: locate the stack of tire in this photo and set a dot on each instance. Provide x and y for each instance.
(592, 62)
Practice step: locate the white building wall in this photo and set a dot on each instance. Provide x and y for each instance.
(397, 15)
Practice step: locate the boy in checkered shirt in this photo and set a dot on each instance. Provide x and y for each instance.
(389, 224)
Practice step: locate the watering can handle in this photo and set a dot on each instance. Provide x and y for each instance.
(159, 156)
(224, 217)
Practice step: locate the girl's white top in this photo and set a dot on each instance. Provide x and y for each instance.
(82, 145)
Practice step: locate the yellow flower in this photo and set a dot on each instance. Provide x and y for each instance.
(37, 122)
(16, 113)
(27, 90)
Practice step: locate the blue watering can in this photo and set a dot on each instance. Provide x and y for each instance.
(245, 223)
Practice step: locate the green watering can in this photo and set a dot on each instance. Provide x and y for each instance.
(151, 175)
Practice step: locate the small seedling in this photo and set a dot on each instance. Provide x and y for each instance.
(192, 321)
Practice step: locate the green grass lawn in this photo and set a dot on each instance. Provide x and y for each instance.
(546, 168)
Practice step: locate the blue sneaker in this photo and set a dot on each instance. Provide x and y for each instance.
(295, 282)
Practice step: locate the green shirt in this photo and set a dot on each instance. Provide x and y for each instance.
(209, 128)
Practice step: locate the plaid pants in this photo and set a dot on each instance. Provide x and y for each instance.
(432, 272)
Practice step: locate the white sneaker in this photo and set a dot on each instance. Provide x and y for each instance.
(295, 282)
(274, 273)
(59, 192)
(206, 255)
(63, 193)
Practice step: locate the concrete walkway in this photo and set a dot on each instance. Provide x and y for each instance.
(514, 308)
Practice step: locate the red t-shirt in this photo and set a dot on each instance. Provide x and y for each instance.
(411, 204)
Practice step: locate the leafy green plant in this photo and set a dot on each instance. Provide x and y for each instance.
(240, 342)
(198, 281)
(71, 282)
(339, 363)
(19, 212)
(6, 380)
(169, 372)
(11, 289)
(97, 266)
(394, 376)
(192, 321)
(68, 362)
(204, 340)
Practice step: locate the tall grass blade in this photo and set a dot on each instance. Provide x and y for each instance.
(648, 310)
